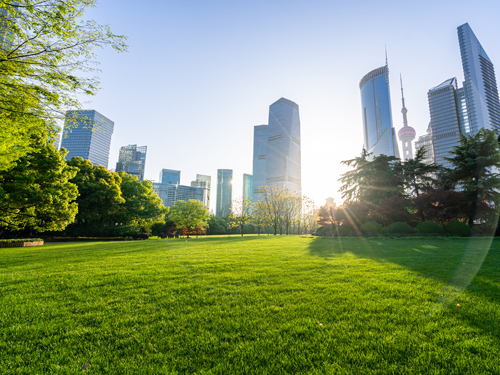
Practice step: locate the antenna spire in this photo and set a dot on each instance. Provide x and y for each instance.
(404, 110)
(386, 63)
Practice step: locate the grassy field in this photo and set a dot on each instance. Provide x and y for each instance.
(252, 305)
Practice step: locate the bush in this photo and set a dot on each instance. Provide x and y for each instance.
(346, 230)
(430, 227)
(400, 228)
(457, 228)
(16, 240)
(371, 227)
(384, 231)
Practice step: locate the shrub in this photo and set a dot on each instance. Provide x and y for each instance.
(400, 228)
(457, 228)
(346, 230)
(430, 227)
(384, 231)
(371, 227)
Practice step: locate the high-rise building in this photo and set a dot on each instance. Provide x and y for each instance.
(224, 192)
(283, 154)
(447, 118)
(379, 134)
(203, 182)
(171, 193)
(425, 141)
(480, 85)
(170, 176)
(132, 160)
(247, 186)
(260, 140)
(406, 134)
(88, 135)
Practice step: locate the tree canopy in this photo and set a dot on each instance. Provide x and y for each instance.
(189, 214)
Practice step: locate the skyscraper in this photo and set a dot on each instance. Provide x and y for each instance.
(170, 176)
(406, 134)
(447, 118)
(283, 155)
(378, 132)
(480, 85)
(260, 140)
(88, 135)
(132, 160)
(247, 186)
(171, 193)
(224, 192)
(203, 182)
(425, 141)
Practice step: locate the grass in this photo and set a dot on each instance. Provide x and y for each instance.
(252, 305)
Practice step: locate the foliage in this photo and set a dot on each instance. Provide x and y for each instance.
(189, 214)
(457, 228)
(217, 225)
(327, 215)
(46, 64)
(400, 228)
(371, 227)
(271, 206)
(16, 240)
(430, 227)
(36, 192)
(241, 212)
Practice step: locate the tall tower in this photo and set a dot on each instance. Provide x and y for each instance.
(480, 85)
(260, 140)
(88, 135)
(283, 155)
(379, 134)
(224, 192)
(406, 134)
(132, 160)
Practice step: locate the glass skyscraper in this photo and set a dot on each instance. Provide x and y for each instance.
(260, 139)
(132, 160)
(88, 135)
(224, 192)
(480, 85)
(203, 182)
(425, 141)
(247, 186)
(171, 193)
(170, 176)
(283, 155)
(447, 118)
(378, 132)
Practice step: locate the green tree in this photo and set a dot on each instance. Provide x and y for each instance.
(189, 214)
(272, 206)
(241, 212)
(46, 64)
(36, 193)
(476, 161)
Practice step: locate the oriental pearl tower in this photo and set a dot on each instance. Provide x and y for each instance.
(407, 133)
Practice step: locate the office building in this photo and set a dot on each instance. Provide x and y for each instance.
(203, 182)
(447, 118)
(170, 176)
(260, 140)
(283, 153)
(406, 134)
(425, 141)
(378, 132)
(132, 160)
(224, 192)
(88, 135)
(480, 85)
(171, 193)
(247, 186)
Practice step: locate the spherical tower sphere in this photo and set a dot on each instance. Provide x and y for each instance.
(407, 134)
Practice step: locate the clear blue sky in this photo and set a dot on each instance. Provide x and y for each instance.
(200, 74)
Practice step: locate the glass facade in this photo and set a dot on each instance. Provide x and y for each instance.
(378, 132)
(480, 85)
(132, 160)
(426, 142)
(170, 176)
(203, 182)
(247, 186)
(88, 135)
(447, 119)
(171, 193)
(283, 154)
(224, 192)
(260, 139)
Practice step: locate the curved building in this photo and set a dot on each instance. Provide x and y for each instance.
(378, 132)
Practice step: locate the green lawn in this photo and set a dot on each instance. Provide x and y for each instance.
(252, 305)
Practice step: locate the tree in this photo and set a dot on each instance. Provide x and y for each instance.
(46, 64)
(271, 206)
(327, 215)
(475, 162)
(189, 214)
(309, 214)
(260, 215)
(241, 212)
(36, 193)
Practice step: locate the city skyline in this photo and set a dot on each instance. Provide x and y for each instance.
(221, 73)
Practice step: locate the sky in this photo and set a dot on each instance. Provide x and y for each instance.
(199, 75)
